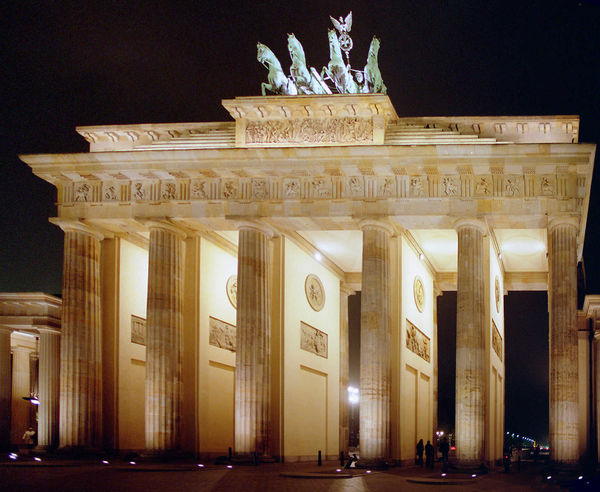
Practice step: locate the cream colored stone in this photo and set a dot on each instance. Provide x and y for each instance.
(80, 356)
(470, 348)
(564, 440)
(344, 417)
(252, 370)
(164, 339)
(375, 343)
(49, 384)
(5, 388)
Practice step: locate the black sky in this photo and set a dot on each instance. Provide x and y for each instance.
(86, 63)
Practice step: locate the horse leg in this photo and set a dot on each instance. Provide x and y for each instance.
(264, 86)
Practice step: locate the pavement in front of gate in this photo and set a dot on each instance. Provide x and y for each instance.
(53, 474)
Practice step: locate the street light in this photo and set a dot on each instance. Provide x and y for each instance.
(353, 395)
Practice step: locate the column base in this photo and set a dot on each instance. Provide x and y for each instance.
(373, 463)
(251, 459)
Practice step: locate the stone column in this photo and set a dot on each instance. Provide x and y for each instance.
(20, 418)
(48, 389)
(5, 388)
(470, 344)
(252, 370)
(562, 252)
(375, 343)
(80, 424)
(164, 336)
(344, 412)
(596, 378)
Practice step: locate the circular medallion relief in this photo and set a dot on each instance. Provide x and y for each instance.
(231, 288)
(315, 293)
(497, 292)
(419, 293)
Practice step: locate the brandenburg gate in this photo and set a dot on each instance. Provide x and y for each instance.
(207, 269)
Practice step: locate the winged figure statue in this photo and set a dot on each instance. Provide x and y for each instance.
(343, 25)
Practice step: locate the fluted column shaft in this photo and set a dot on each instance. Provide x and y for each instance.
(564, 437)
(49, 365)
(252, 374)
(344, 412)
(81, 347)
(375, 343)
(20, 420)
(164, 335)
(5, 389)
(470, 344)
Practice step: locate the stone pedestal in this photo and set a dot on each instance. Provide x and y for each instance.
(81, 345)
(252, 374)
(164, 336)
(344, 413)
(375, 343)
(5, 389)
(562, 251)
(49, 363)
(20, 414)
(470, 344)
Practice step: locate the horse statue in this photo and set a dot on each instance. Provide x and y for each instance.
(278, 82)
(372, 73)
(306, 82)
(336, 70)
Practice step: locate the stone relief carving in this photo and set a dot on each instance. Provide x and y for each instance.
(82, 192)
(483, 186)
(496, 340)
(230, 189)
(449, 186)
(138, 330)
(139, 191)
(387, 187)
(417, 186)
(168, 191)
(321, 188)
(260, 189)
(222, 334)
(356, 186)
(291, 188)
(310, 130)
(512, 186)
(546, 185)
(313, 340)
(110, 192)
(417, 342)
(419, 293)
(231, 288)
(315, 293)
(200, 190)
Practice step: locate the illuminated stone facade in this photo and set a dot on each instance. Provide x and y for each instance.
(339, 187)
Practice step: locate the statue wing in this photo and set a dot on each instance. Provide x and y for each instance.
(348, 22)
(337, 24)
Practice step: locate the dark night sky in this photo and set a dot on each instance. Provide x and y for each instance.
(86, 63)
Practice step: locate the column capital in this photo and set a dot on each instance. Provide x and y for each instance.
(380, 224)
(256, 225)
(346, 289)
(463, 222)
(77, 226)
(165, 225)
(559, 220)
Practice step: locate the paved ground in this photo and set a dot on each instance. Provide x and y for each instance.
(92, 476)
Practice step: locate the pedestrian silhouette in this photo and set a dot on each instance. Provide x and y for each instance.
(420, 448)
(429, 455)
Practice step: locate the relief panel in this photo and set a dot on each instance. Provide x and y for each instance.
(313, 340)
(417, 342)
(222, 334)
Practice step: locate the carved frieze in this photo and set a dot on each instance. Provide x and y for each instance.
(138, 330)
(497, 293)
(496, 340)
(417, 342)
(320, 188)
(222, 334)
(450, 185)
(309, 131)
(313, 340)
(315, 293)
